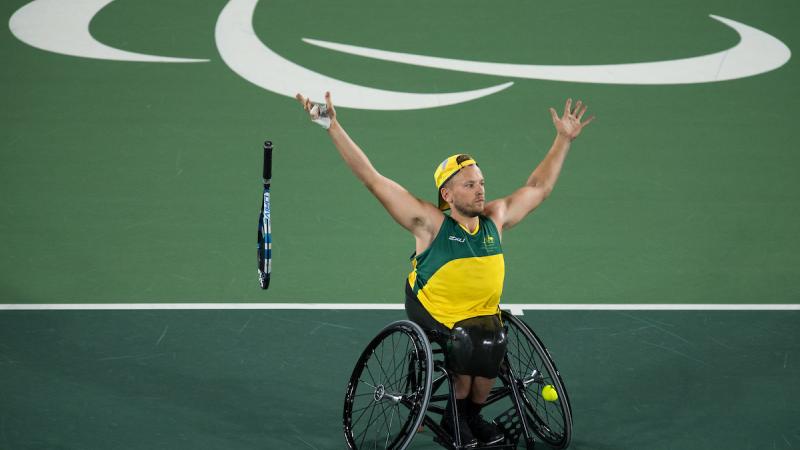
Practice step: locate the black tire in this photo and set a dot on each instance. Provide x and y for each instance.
(389, 390)
(533, 368)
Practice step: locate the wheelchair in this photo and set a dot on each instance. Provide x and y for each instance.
(397, 389)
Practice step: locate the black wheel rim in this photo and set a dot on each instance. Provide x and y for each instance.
(533, 369)
(389, 390)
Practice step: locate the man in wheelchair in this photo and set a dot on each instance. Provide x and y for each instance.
(474, 349)
(454, 289)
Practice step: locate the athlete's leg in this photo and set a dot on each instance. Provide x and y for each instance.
(486, 432)
(464, 386)
(463, 383)
(481, 388)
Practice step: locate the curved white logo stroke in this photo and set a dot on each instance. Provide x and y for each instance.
(61, 26)
(757, 52)
(246, 55)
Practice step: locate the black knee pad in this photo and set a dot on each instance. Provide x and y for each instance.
(477, 346)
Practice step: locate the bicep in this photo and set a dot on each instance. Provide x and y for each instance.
(408, 211)
(508, 211)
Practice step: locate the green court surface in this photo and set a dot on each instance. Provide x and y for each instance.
(276, 379)
(130, 182)
(139, 183)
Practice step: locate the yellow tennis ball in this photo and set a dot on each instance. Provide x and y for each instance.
(549, 393)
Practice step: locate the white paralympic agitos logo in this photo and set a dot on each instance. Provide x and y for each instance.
(62, 26)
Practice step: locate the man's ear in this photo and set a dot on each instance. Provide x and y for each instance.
(445, 193)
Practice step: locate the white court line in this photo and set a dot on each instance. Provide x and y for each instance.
(515, 308)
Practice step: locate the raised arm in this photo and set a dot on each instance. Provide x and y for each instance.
(508, 211)
(419, 217)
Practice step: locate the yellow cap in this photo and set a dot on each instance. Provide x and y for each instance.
(445, 171)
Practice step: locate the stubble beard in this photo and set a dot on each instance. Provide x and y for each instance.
(467, 211)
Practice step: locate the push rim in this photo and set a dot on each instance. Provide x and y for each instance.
(389, 390)
(533, 369)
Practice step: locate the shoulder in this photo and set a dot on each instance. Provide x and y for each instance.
(495, 210)
(434, 218)
(426, 234)
(430, 223)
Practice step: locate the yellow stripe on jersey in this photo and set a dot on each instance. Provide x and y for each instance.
(463, 288)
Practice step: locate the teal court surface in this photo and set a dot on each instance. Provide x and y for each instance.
(662, 273)
(233, 379)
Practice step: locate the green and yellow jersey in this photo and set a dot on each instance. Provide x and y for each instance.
(461, 274)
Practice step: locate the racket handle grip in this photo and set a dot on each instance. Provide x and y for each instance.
(267, 161)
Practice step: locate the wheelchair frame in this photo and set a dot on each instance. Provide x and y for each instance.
(414, 377)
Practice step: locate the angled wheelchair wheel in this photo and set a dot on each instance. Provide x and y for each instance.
(533, 369)
(389, 390)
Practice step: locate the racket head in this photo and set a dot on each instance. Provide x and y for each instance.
(265, 223)
(265, 242)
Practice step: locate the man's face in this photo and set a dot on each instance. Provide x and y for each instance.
(465, 191)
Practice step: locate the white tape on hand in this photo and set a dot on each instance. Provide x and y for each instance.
(319, 115)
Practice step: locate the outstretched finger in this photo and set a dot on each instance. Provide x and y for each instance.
(554, 115)
(567, 108)
(582, 112)
(301, 99)
(328, 101)
(588, 121)
(577, 107)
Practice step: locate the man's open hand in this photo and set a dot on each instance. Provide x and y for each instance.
(569, 124)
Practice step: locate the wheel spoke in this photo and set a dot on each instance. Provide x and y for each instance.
(526, 355)
(389, 389)
(370, 385)
(363, 411)
(389, 429)
(372, 411)
(363, 395)
(397, 371)
(380, 364)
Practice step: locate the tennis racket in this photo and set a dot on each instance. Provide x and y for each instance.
(265, 223)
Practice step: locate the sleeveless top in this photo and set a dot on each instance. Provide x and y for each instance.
(461, 274)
